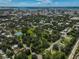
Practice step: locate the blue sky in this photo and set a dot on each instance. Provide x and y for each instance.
(42, 3)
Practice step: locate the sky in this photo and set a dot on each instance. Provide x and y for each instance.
(39, 3)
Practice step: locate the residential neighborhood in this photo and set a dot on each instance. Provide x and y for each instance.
(44, 33)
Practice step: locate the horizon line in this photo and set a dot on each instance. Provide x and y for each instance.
(38, 6)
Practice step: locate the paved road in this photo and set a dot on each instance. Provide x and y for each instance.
(51, 46)
(71, 56)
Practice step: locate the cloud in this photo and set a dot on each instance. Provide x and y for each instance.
(6, 2)
(63, 4)
(37, 3)
(1, 1)
(45, 1)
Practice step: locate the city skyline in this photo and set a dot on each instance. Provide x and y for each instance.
(39, 3)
